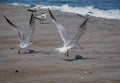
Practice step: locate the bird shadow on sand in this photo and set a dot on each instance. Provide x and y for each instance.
(78, 57)
(45, 23)
(34, 51)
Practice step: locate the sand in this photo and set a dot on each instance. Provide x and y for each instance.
(98, 62)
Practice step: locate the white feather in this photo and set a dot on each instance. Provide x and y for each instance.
(69, 43)
(24, 39)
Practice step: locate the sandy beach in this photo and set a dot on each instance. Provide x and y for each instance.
(98, 62)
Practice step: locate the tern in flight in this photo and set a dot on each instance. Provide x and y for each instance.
(69, 43)
(42, 17)
(24, 40)
(34, 9)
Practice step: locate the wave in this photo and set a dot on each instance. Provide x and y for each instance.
(109, 14)
(20, 4)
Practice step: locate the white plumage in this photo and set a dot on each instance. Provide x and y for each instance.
(24, 40)
(34, 9)
(69, 43)
(42, 17)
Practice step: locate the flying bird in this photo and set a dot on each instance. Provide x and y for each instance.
(69, 43)
(88, 15)
(34, 9)
(24, 40)
(42, 17)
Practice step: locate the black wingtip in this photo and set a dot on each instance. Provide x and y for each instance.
(80, 15)
(31, 18)
(9, 21)
(5, 18)
(51, 15)
(30, 10)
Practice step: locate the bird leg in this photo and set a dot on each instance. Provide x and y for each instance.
(81, 47)
(19, 51)
(67, 54)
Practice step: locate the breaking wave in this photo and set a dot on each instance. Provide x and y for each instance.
(109, 14)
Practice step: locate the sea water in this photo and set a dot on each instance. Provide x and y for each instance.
(102, 8)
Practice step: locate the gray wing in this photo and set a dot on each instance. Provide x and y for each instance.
(86, 16)
(81, 31)
(32, 9)
(40, 17)
(19, 32)
(80, 15)
(61, 29)
(32, 28)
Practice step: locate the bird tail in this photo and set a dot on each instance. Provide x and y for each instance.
(61, 50)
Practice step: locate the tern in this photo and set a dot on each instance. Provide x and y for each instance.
(24, 40)
(69, 43)
(42, 17)
(34, 9)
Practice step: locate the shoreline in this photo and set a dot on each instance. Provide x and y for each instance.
(100, 13)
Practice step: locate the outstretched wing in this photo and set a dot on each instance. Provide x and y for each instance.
(80, 15)
(86, 16)
(32, 28)
(61, 29)
(81, 31)
(19, 32)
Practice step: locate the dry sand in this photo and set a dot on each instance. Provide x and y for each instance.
(98, 62)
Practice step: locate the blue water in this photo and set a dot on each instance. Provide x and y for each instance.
(102, 8)
(101, 4)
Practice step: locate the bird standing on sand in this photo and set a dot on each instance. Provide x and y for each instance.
(24, 40)
(69, 43)
(42, 17)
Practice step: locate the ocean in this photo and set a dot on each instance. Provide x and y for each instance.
(102, 8)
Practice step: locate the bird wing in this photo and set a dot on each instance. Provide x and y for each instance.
(62, 31)
(32, 28)
(86, 16)
(81, 15)
(19, 32)
(40, 17)
(32, 9)
(81, 31)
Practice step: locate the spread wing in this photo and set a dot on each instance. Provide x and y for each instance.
(61, 29)
(19, 32)
(32, 28)
(81, 31)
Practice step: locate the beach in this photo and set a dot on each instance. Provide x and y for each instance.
(98, 62)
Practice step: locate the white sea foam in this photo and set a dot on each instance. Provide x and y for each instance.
(109, 14)
(20, 4)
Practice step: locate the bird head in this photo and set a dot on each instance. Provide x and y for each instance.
(90, 13)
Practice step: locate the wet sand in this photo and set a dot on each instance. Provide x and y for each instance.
(98, 62)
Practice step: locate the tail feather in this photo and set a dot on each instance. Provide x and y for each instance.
(61, 50)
